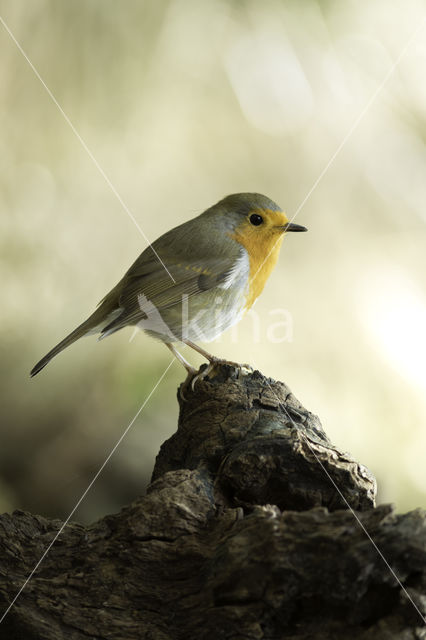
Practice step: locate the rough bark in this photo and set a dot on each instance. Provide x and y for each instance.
(245, 532)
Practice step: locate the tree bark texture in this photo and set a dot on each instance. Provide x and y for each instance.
(245, 533)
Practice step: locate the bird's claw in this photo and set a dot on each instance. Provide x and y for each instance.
(193, 377)
(184, 386)
(214, 363)
(203, 374)
(242, 367)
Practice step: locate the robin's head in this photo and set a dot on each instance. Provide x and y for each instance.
(258, 224)
(253, 215)
(254, 220)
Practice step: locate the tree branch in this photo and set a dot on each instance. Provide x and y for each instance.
(242, 534)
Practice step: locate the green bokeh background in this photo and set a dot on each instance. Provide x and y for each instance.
(181, 103)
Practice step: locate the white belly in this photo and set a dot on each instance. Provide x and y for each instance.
(205, 315)
(224, 308)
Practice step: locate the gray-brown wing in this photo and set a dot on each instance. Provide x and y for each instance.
(151, 281)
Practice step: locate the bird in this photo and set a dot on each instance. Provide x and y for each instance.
(196, 280)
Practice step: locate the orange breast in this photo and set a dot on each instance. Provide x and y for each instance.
(263, 249)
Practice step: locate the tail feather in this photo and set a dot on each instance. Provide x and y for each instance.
(93, 324)
(72, 337)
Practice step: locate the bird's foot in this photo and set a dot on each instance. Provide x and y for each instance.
(215, 362)
(186, 384)
(193, 376)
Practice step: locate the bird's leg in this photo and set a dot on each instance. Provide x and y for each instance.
(191, 371)
(181, 359)
(213, 360)
(208, 356)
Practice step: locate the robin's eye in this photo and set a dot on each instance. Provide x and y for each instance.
(256, 219)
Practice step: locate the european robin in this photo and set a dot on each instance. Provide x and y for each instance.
(196, 280)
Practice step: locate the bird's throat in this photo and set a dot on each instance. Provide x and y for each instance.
(263, 254)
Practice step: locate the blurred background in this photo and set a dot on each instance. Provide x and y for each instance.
(182, 102)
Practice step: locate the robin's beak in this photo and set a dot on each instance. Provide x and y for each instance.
(290, 226)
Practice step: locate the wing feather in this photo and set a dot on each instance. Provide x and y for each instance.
(152, 281)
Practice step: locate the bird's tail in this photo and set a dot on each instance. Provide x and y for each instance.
(93, 324)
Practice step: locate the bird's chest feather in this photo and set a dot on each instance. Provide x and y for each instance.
(263, 251)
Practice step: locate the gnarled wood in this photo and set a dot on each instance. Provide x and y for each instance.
(242, 534)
